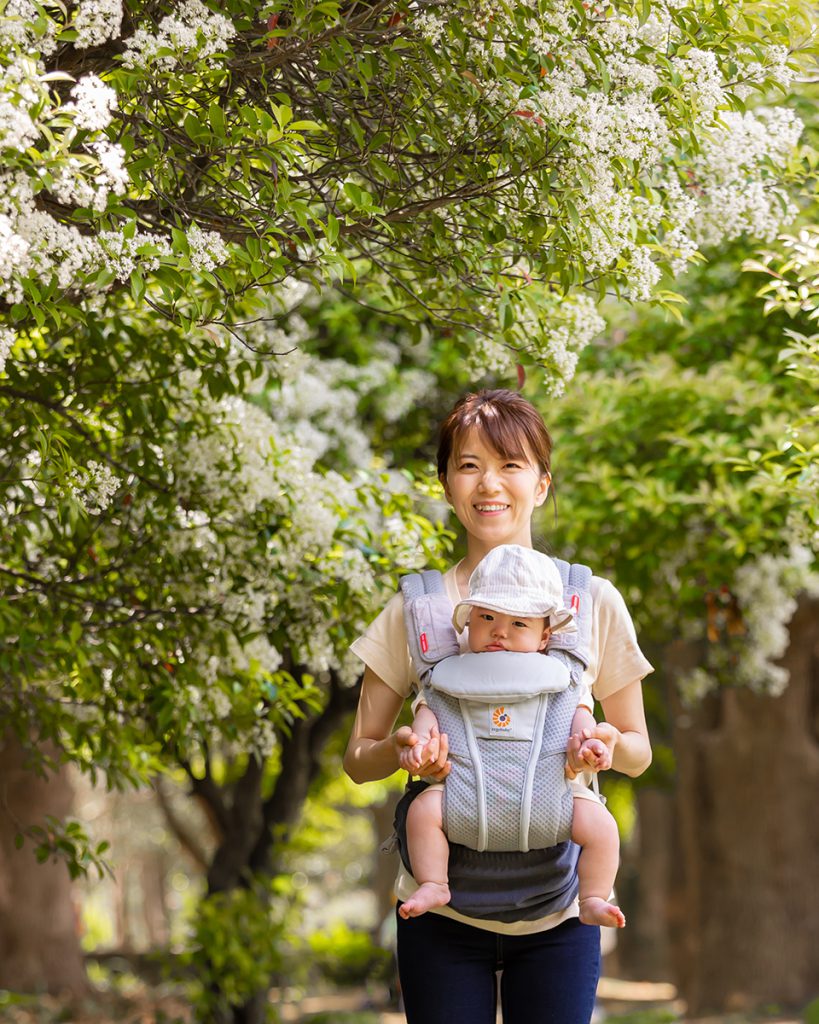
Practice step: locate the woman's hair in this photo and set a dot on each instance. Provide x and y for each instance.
(510, 424)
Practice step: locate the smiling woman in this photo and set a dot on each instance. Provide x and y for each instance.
(494, 460)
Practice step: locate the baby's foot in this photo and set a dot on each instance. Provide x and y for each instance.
(595, 910)
(427, 896)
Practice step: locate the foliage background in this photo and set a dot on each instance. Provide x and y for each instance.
(248, 256)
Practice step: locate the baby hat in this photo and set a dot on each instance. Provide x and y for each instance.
(516, 581)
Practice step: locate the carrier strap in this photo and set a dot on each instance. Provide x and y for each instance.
(576, 580)
(428, 618)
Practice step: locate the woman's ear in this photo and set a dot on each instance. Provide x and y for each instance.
(447, 495)
(543, 489)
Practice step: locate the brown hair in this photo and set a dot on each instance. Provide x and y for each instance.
(510, 423)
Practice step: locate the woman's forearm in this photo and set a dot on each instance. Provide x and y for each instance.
(372, 751)
(632, 755)
(367, 760)
(624, 710)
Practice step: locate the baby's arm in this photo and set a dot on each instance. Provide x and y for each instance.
(426, 750)
(585, 752)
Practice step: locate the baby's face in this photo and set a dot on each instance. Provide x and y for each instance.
(497, 631)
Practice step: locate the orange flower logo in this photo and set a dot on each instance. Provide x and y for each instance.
(501, 718)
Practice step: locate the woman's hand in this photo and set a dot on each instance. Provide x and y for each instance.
(424, 756)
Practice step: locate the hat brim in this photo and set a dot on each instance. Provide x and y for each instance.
(565, 616)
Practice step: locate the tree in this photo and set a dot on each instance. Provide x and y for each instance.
(195, 549)
(477, 165)
(39, 937)
(669, 496)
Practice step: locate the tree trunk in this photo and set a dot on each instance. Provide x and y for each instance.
(748, 777)
(39, 942)
(249, 826)
(643, 883)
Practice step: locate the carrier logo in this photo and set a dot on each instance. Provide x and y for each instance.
(501, 721)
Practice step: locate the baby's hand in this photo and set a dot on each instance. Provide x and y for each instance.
(426, 756)
(586, 753)
(595, 754)
(410, 758)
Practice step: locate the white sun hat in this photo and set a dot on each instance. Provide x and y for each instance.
(517, 581)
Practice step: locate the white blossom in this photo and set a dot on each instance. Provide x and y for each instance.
(207, 248)
(17, 130)
(7, 340)
(93, 103)
(94, 486)
(193, 30)
(21, 24)
(14, 260)
(430, 26)
(97, 21)
(766, 589)
(123, 255)
(693, 686)
(702, 80)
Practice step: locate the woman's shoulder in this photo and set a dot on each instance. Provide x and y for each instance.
(603, 590)
(608, 602)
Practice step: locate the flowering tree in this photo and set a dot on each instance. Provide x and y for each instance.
(794, 289)
(486, 165)
(676, 486)
(199, 584)
(195, 547)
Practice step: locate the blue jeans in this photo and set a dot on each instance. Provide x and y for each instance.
(447, 972)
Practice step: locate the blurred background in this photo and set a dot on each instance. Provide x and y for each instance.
(249, 256)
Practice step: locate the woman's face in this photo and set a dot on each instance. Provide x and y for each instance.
(492, 496)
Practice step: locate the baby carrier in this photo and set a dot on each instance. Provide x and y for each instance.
(508, 717)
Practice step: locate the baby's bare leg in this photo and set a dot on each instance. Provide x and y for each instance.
(429, 854)
(595, 830)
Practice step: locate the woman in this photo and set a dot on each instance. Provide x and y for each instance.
(494, 460)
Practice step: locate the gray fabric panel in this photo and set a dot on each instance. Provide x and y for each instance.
(576, 581)
(428, 611)
(503, 676)
(504, 767)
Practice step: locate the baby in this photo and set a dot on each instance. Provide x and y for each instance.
(496, 625)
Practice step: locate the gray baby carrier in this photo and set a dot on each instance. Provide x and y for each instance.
(508, 718)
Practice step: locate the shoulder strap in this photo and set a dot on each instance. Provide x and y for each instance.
(431, 637)
(577, 594)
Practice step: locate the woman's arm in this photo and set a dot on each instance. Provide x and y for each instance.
(373, 749)
(625, 731)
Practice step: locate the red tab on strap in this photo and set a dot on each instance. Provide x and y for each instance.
(424, 643)
(575, 602)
